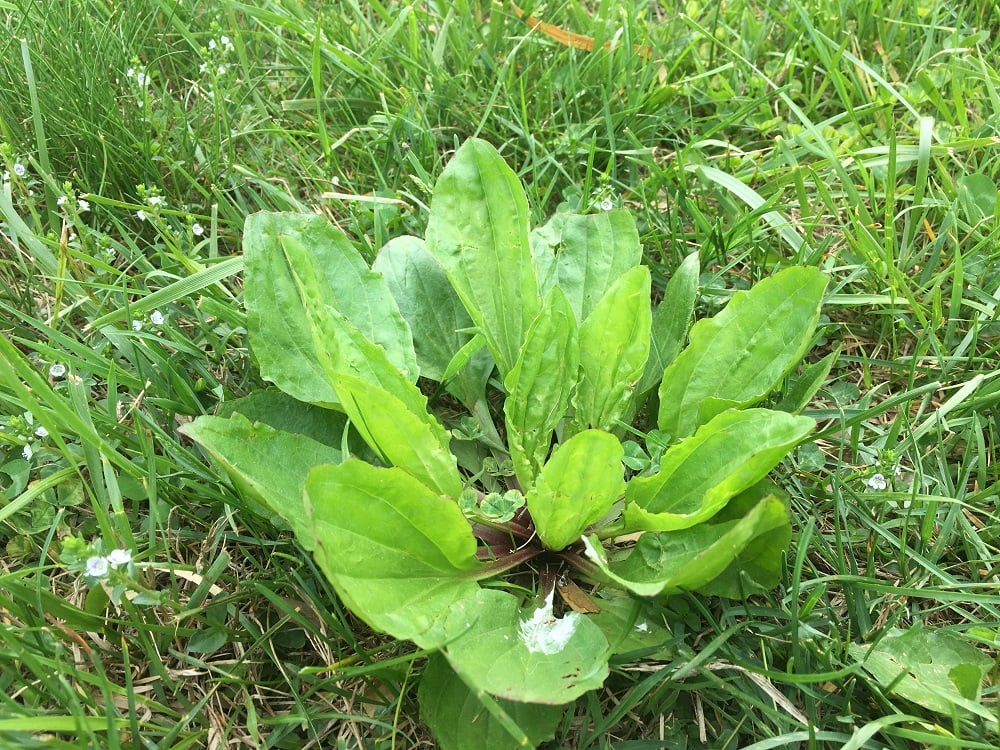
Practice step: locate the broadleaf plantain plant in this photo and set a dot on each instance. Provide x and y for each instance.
(490, 414)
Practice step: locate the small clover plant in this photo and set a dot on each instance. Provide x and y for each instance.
(491, 414)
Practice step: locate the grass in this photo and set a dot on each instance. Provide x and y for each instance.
(859, 136)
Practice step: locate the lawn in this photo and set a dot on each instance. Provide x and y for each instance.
(148, 598)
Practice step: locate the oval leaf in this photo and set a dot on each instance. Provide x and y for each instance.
(589, 252)
(684, 560)
(478, 232)
(614, 347)
(670, 321)
(278, 248)
(539, 386)
(698, 476)
(739, 355)
(248, 452)
(399, 555)
(435, 315)
(528, 656)
(577, 487)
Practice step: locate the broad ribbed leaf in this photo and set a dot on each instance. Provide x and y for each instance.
(400, 555)
(539, 386)
(684, 560)
(614, 347)
(579, 484)
(478, 232)
(278, 248)
(435, 315)
(698, 476)
(742, 353)
(589, 252)
(671, 319)
(412, 440)
(526, 654)
(271, 464)
(461, 718)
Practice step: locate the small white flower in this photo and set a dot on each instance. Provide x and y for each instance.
(607, 205)
(222, 70)
(19, 169)
(155, 200)
(61, 200)
(130, 72)
(83, 205)
(211, 44)
(197, 230)
(97, 567)
(141, 215)
(141, 78)
(27, 452)
(57, 370)
(156, 318)
(119, 557)
(136, 325)
(41, 432)
(877, 482)
(226, 44)
(203, 67)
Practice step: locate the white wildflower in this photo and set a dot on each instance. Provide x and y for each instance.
(20, 170)
(119, 557)
(136, 325)
(141, 215)
(97, 567)
(877, 482)
(57, 370)
(156, 318)
(155, 200)
(61, 200)
(27, 452)
(41, 432)
(83, 205)
(197, 230)
(607, 204)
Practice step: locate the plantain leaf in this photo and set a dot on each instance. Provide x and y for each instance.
(435, 315)
(400, 555)
(249, 451)
(699, 475)
(614, 347)
(278, 248)
(671, 319)
(461, 718)
(539, 386)
(525, 655)
(586, 253)
(412, 440)
(478, 232)
(579, 484)
(738, 356)
(683, 560)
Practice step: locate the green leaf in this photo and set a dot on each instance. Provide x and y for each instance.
(738, 356)
(589, 252)
(461, 718)
(283, 412)
(435, 315)
(759, 565)
(251, 452)
(614, 347)
(698, 476)
(478, 232)
(409, 439)
(577, 487)
(671, 319)
(687, 559)
(280, 250)
(632, 625)
(528, 656)
(932, 668)
(400, 555)
(804, 386)
(539, 386)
